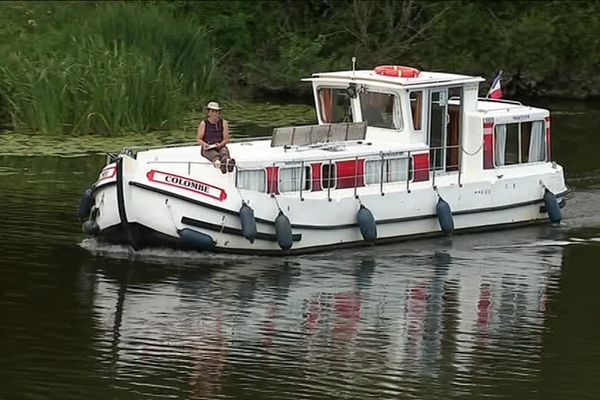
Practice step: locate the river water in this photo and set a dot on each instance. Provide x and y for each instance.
(512, 314)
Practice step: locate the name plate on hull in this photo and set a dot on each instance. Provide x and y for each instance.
(188, 184)
(108, 174)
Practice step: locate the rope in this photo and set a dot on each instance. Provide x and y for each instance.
(222, 225)
(360, 203)
(475, 152)
(276, 202)
(171, 214)
(240, 192)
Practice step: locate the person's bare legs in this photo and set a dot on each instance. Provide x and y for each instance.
(213, 156)
(219, 158)
(224, 156)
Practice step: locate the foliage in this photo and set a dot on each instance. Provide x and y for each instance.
(122, 67)
(185, 46)
(270, 115)
(543, 47)
(95, 89)
(110, 67)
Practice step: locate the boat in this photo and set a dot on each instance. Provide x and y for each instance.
(396, 153)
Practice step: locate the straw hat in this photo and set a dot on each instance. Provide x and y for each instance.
(213, 105)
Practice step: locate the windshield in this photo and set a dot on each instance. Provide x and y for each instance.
(334, 106)
(381, 110)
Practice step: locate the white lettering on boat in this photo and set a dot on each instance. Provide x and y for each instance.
(191, 185)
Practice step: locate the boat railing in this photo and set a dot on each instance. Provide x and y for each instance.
(394, 167)
(518, 103)
(288, 137)
(384, 175)
(132, 150)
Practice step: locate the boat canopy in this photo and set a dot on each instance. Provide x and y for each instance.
(425, 79)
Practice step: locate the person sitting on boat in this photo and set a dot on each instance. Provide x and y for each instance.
(213, 136)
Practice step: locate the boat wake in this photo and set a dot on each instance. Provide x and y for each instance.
(156, 255)
(544, 243)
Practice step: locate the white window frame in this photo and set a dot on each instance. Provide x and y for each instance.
(334, 169)
(397, 105)
(423, 110)
(519, 138)
(262, 171)
(387, 177)
(305, 176)
(320, 108)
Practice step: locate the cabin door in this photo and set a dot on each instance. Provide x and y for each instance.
(438, 123)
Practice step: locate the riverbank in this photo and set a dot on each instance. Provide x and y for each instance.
(247, 119)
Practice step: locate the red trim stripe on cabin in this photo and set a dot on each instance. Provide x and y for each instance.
(273, 180)
(548, 139)
(350, 173)
(316, 177)
(488, 145)
(421, 167)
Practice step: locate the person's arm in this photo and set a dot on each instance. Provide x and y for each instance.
(200, 137)
(225, 134)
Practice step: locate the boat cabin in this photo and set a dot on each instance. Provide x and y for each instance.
(375, 129)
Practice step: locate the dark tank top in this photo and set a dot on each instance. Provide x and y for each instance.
(213, 133)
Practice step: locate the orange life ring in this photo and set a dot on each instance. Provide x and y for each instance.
(397, 70)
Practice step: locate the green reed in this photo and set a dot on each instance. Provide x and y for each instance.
(119, 67)
(181, 41)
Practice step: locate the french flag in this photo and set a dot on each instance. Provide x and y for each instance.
(495, 91)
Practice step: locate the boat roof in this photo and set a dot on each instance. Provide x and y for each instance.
(258, 153)
(507, 110)
(425, 78)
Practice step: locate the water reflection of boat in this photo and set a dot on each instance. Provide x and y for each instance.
(437, 158)
(388, 313)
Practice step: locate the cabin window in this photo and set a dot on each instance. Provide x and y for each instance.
(381, 110)
(253, 179)
(394, 170)
(416, 109)
(518, 143)
(334, 105)
(328, 176)
(292, 179)
(533, 141)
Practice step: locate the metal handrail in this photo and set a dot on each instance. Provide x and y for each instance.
(490, 99)
(500, 101)
(187, 144)
(382, 158)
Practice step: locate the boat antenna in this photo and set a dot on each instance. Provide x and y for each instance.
(353, 66)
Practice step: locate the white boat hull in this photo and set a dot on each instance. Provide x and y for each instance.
(156, 212)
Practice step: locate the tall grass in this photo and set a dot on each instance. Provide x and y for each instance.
(181, 41)
(120, 67)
